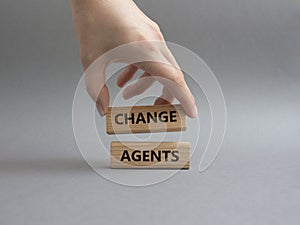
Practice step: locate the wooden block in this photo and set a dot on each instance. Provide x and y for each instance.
(163, 155)
(145, 119)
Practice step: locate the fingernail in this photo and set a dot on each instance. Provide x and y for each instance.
(195, 112)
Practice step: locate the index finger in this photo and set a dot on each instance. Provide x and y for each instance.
(173, 79)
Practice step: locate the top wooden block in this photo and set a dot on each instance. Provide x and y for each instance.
(145, 119)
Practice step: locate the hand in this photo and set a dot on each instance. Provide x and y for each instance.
(103, 25)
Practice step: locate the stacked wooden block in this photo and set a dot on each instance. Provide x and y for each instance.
(147, 119)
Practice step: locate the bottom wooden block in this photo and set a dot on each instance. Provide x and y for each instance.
(164, 155)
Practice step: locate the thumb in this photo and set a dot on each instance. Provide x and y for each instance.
(102, 101)
(95, 80)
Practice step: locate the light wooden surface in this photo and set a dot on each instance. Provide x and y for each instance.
(167, 155)
(145, 119)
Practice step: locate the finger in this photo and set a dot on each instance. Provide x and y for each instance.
(95, 84)
(173, 79)
(126, 75)
(165, 98)
(189, 106)
(182, 93)
(102, 102)
(169, 56)
(137, 88)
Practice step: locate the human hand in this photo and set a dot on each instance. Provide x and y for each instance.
(102, 25)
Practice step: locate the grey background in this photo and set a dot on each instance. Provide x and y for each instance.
(252, 47)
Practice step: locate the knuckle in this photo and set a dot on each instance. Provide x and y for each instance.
(179, 79)
(149, 46)
(140, 36)
(146, 45)
(143, 66)
(156, 30)
(155, 25)
(159, 36)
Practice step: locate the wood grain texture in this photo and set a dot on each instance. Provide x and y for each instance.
(160, 155)
(145, 119)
